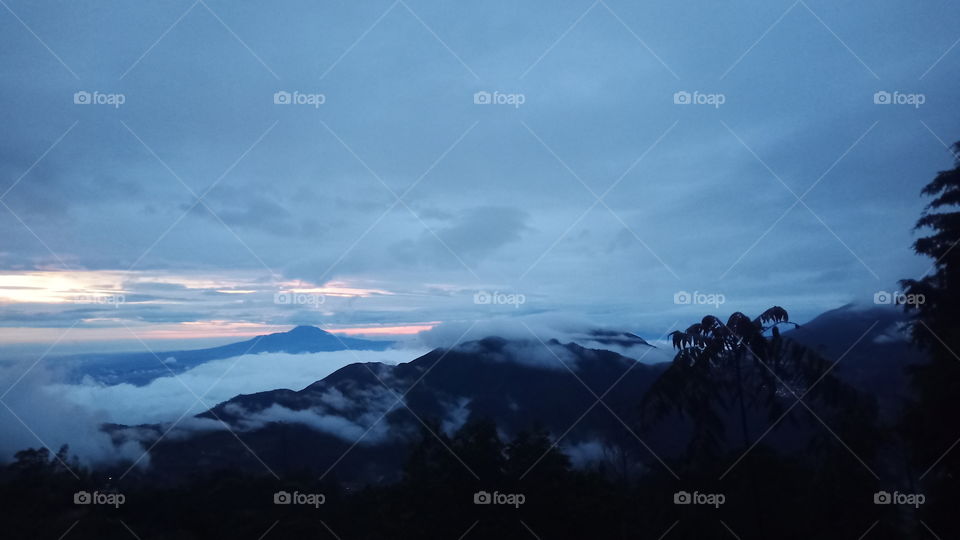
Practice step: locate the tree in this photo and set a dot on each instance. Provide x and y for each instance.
(928, 423)
(711, 360)
(743, 371)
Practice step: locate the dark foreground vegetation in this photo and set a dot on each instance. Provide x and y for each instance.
(768, 496)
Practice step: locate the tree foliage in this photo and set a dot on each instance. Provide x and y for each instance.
(927, 423)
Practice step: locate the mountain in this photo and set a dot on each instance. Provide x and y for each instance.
(302, 339)
(141, 368)
(521, 385)
(362, 418)
(521, 382)
(624, 343)
(877, 363)
(611, 337)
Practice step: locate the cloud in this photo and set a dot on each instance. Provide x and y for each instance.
(35, 418)
(167, 398)
(536, 327)
(897, 332)
(457, 415)
(49, 410)
(471, 235)
(510, 191)
(660, 351)
(522, 326)
(359, 418)
(368, 428)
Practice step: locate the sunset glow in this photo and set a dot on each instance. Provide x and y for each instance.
(46, 287)
(400, 330)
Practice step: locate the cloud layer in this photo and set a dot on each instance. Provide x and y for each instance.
(43, 411)
(399, 181)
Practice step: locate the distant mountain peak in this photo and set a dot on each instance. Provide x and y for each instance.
(305, 338)
(305, 330)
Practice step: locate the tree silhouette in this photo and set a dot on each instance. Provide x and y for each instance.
(710, 365)
(744, 372)
(927, 423)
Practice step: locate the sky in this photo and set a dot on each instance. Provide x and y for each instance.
(205, 170)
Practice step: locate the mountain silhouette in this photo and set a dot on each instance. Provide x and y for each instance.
(520, 384)
(876, 364)
(361, 417)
